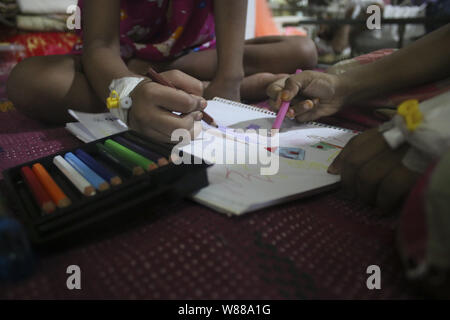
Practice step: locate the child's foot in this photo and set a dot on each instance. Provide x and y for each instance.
(341, 39)
(223, 89)
(253, 88)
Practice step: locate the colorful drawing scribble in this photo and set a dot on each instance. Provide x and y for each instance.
(334, 155)
(289, 152)
(236, 179)
(292, 153)
(322, 145)
(247, 176)
(253, 126)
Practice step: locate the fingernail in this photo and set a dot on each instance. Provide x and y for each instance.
(203, 103)
(308, 105)
(291, 113)
(198, 116)
(285, 95)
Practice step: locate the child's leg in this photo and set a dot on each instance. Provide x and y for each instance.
(45, 87)
(341, 39)
(253, 88)
(279, 54)
(275, 54)
(265, 58)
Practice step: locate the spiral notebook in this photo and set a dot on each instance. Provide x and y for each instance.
(304, 153)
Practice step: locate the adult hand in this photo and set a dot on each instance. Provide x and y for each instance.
(313, 94)
(374, 172)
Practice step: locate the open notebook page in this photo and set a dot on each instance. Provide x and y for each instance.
(305, 152)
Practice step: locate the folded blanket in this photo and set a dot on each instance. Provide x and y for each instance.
(43, 43)
(45, 6)
(42, 22)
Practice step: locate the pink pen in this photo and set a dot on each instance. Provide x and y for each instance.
(283, 110)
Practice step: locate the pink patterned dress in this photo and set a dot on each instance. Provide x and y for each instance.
(158, 30)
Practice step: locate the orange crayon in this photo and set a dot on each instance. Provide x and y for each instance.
(51, 187)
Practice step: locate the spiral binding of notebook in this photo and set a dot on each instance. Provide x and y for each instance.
(271, 113)
(246, 106)
(319, 124)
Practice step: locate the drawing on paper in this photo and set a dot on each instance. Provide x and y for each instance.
(322, 145)
(253, 126)
(292, 153)
(289, 152)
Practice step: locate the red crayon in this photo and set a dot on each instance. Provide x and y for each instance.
(40, 195)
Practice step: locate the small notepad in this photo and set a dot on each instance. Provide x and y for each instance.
(94, 126)
(305, 152)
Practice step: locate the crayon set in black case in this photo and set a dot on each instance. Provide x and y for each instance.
(61, 197)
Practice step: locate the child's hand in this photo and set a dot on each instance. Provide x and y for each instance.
(314, 95)
(153, 104)
(224, 88)
(374, 172)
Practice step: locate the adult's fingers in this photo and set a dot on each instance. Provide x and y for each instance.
(311, 84)
(355, 153)
(311, 115)
(291, 88)
(319, 88)
(372, 173)
(395, 187)
(274, 89)
(302, 109)
(310, 110)
(361, 154)
(184, 82)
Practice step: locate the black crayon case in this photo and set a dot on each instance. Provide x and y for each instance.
(107, 211)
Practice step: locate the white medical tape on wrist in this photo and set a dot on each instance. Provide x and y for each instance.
(425, 127)
(119, 102)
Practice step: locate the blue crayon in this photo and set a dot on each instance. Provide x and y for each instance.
(98, 182)
(98, 168)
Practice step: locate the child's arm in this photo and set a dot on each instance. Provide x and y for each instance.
(101, 45)
(230, 18)
(152, 104)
